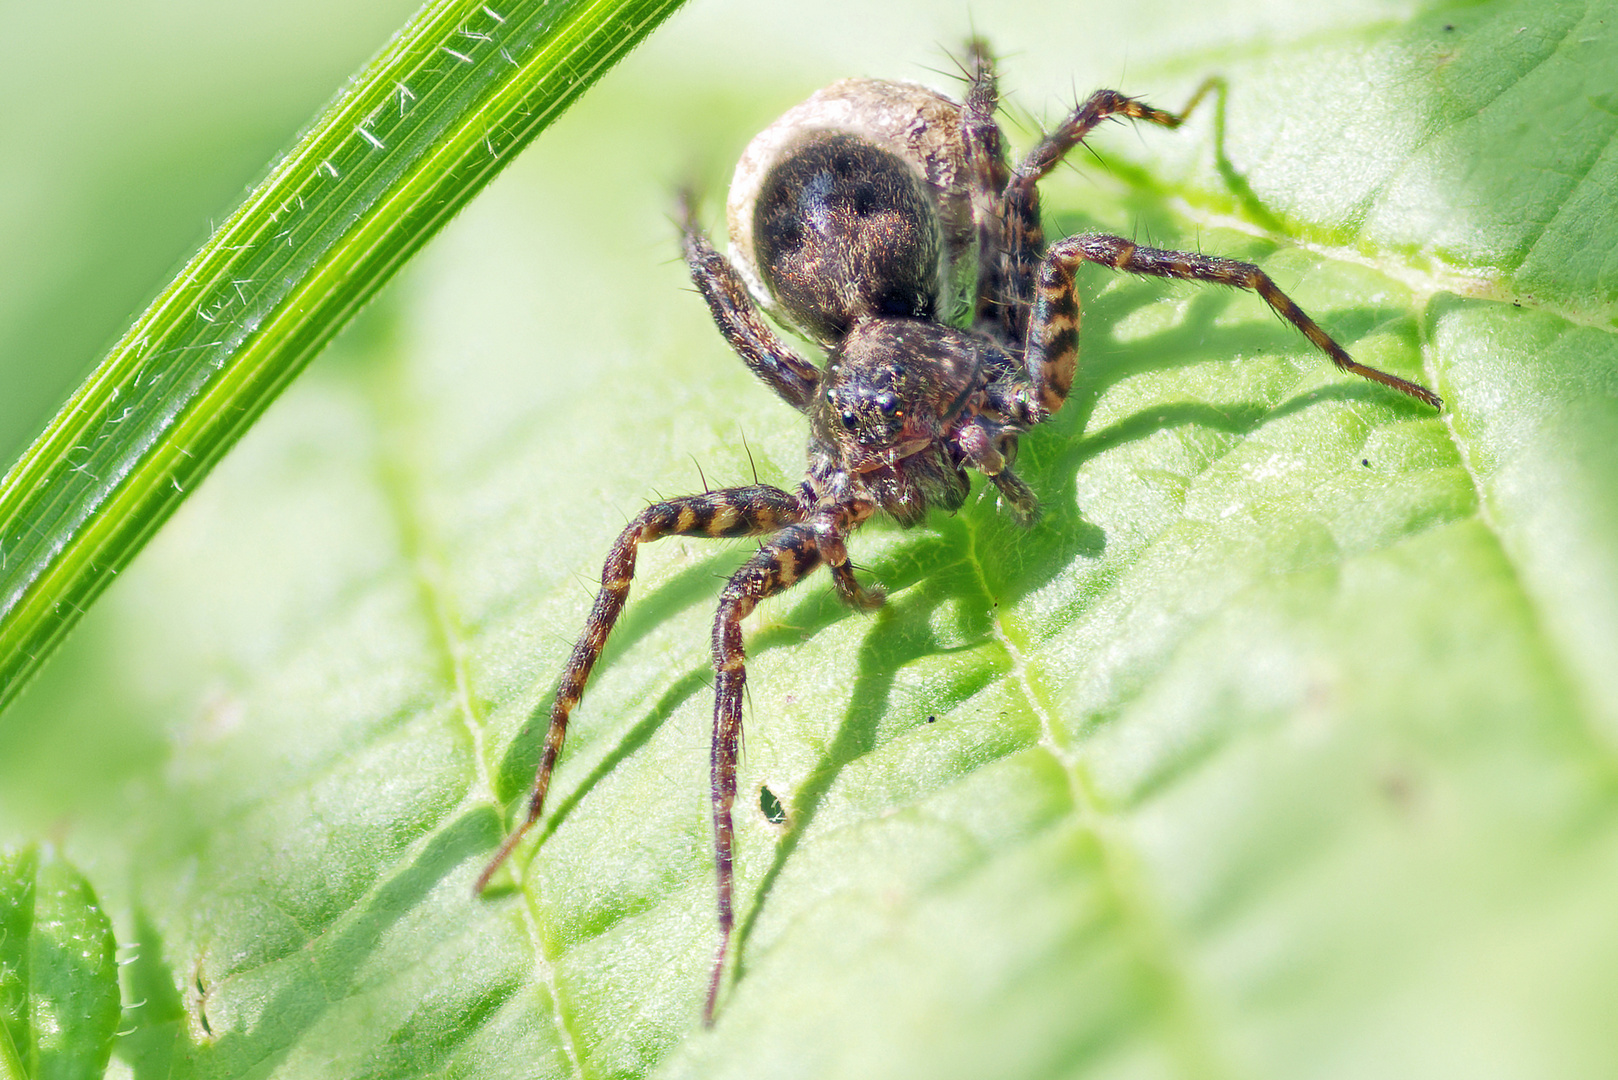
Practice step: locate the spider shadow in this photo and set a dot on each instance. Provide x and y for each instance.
(900, 633)
(702, 580)
(1054, 453)
(1140, 178)
(811, 615)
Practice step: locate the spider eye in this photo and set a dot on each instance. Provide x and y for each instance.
(888, 404)
(848, 419)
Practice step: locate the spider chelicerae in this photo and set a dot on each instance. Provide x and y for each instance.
(882, 221)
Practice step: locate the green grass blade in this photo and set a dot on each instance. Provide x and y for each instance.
(461, 89)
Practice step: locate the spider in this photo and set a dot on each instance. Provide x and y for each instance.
(872, 218)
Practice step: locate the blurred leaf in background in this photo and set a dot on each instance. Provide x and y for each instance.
(1282, 747)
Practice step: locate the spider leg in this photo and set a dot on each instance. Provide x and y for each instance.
(986, 159)
(852, 593)
(998, 312)
(1053, 331)
(782, 370)
(781, 561)
(737, 511)
(1024, 241)
(1099, 106)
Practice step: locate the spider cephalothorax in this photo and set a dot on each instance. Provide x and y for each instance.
(898, 391)
(882, 221)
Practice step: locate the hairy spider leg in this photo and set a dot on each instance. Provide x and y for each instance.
(1042, 308)
(986, 160)
(995, 313)
(737, 511)
(780, 562)
(1024, 243)
(782, 370)
(1053, 333)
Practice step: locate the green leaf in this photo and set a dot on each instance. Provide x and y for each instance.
(422, 129)
(1283, 746)
(59, 1002)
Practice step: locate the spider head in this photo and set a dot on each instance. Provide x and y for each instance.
(892, 389)
(869, 421)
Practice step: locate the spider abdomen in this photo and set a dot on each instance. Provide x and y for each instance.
(845, 230)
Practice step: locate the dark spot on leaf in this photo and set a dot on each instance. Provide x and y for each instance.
(201, 1005)
(770, 806)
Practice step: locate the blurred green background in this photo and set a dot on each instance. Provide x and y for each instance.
(128, 128)
(1283, 747)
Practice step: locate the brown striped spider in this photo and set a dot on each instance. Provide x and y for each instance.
(872, 218)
